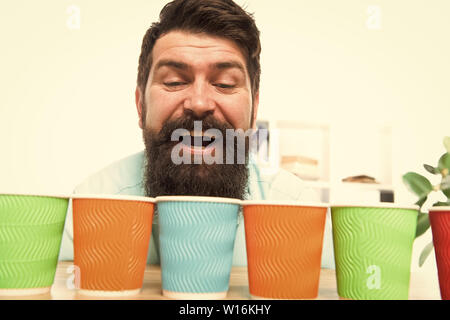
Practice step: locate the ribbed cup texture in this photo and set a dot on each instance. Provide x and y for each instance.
(440, 226)
(284, 249)
(196, 245)
(372, 249)
(111, 239)
(31, 230)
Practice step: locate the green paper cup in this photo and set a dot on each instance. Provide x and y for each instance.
(372, 249)
(31, 228)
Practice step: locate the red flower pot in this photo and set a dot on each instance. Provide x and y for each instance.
(440, 226)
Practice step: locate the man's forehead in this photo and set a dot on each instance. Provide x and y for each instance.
(180, 45)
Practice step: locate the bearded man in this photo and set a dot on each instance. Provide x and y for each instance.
(200, 64)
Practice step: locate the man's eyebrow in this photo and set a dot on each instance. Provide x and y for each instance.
(229, 65)
(184, 66)
(171, 63)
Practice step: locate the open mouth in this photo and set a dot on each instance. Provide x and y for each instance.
(197, 140)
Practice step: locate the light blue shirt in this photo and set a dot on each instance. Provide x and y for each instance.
(125, 177)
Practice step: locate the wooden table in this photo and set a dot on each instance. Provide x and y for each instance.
(151, 290)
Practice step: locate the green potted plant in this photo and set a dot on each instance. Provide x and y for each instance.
(437, 215)
(422, 187)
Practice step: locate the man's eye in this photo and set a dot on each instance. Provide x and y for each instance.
(174, 84)
(224, 86)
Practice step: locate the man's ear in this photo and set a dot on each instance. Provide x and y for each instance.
(255, 109)
(139, 105)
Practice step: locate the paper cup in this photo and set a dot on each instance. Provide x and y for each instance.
(196, 237)
(284, 247)
(31, 228)
(372, 249)
(440, 227)
(111, 239)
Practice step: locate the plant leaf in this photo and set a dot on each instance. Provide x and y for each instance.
(431, 169)
(444, 162)
(421, 201)
(447, 143)
(423, 223)
(445, 185)
(447, 193)
(425, 253)
(442, 204)
(417, 184)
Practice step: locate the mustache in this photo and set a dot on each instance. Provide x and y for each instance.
(187, 123)
(164, 177)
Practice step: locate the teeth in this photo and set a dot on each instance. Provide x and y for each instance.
(200, 134)
(197, 139)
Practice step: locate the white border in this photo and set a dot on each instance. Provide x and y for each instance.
(443, 208)
(384, 205)
(285, 203)
(112, 197)
(198, 199)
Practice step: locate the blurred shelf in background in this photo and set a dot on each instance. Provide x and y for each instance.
(322, 155)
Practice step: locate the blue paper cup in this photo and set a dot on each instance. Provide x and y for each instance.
(196, 236)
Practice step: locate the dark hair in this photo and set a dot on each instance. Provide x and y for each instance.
(222, 18)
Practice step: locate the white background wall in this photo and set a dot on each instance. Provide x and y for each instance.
(67, 95)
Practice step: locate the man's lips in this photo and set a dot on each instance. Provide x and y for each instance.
(195, 149)
(197, 143)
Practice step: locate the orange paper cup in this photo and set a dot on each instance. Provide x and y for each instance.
(284, 248)
(111, 239)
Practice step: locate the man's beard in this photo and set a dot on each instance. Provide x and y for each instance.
(163, 177)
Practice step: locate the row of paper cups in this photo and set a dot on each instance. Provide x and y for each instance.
(284, 241)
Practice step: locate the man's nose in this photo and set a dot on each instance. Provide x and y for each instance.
(199, 100)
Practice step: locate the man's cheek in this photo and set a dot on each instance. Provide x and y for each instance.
(236, 111)
(154, 119)
(163, 114)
